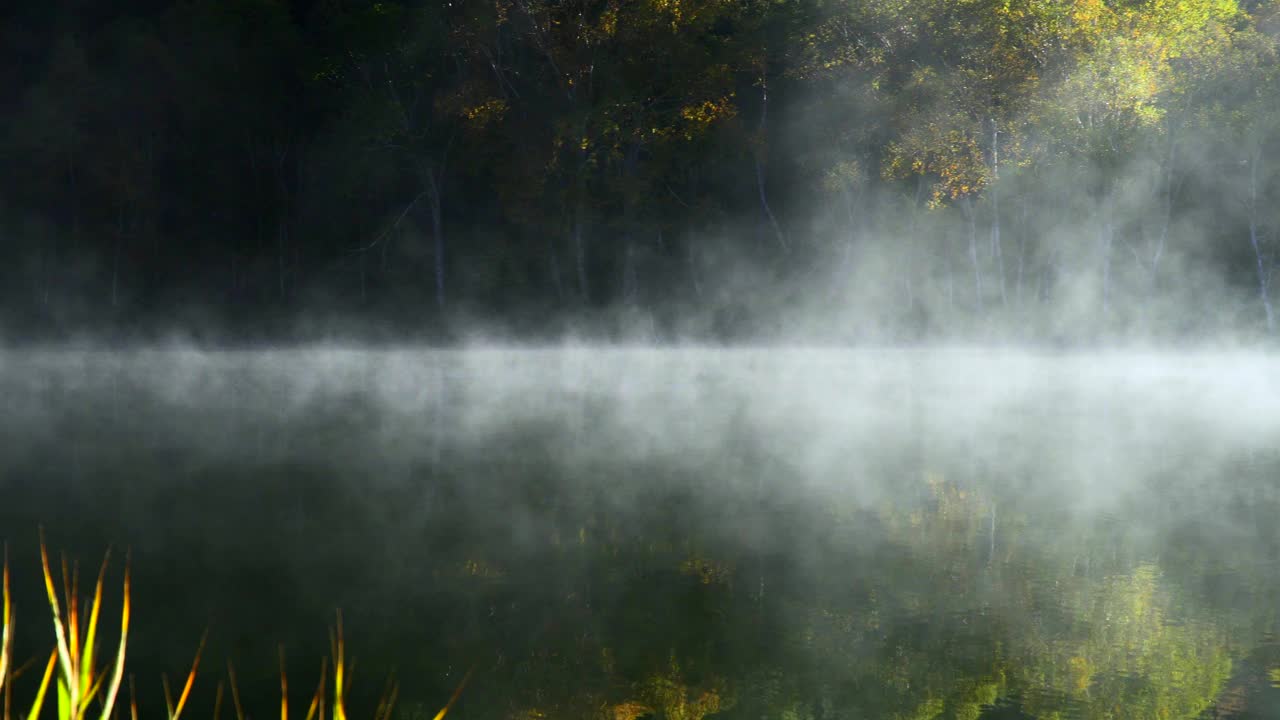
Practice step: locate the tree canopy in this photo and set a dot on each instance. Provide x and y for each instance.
(723, 169)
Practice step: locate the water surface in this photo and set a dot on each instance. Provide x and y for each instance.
(799, 534)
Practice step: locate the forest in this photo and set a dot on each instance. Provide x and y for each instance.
(719, 170)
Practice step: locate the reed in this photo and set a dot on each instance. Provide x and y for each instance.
(81, 685)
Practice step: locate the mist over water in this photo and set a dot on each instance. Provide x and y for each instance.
(798, 533)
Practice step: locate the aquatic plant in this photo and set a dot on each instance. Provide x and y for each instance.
(71, 668)
(79, 682)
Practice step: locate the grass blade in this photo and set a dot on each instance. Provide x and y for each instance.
(6, 624)
(118, 674)
(64, 652)
(36, 706)
(64, 700)
(217, 701)
(191, 678)
(91, 636)
(284, 687)
(317, 698)
(456, 694)
(71, 590)
(338, 648)
(387, 702)
(235, 691)
(168, 696)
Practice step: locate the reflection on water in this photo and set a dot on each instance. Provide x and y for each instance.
(782, 534)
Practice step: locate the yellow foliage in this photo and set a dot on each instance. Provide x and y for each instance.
(481, 569)
(708, 572)
(486, 112)
(1081, 673)
(928, 710)
(668, 693)
(609, 22)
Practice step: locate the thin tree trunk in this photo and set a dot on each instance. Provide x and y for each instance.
(693, 270)
(580, 255)
(1105, 239)
(282, 219)
(971, 211)
(438, 240)
(1263, 276)
(1162, 239)
(951, 273)
(768, 212)
(629, 275)
(115, 274)
(1022, 252)
(554, 265)
(846, 260)
(910, 244)
(997, 252)
(760, 185)
(281, 231)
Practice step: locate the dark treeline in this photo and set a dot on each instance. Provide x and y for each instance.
(840, 169)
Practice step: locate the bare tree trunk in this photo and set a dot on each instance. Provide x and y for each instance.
(997, 251)
(554, 265)
(1022, 252)
(364, 287)
(760, 150)
(764, 204)
(908, 245)
(1162, 239)
(850, 239)
(437, 235)
(693, 269)
(951, 273)
(282, 219)
(121, 229)
(971, 213)
(115, 274)
(1264, 279)
(580, 255)
(629, 290)
(282, 231)
(1106, 235)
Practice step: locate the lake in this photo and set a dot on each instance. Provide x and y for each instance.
(619, 533)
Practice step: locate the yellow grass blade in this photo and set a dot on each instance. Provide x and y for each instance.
(456, 694)
(118, 674)
(133, 699)
(217, 701)
(168, 696)
(71, 589)
(317, 698)
(235, 691)
(64, 652)
(351, 673)
(89, 695)
(191, 678)
(387, 702)
(339, 670)
(64, 700)
(6, 623)
(284, 688)
(91, 637)
(382, 699)
(44, 687)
